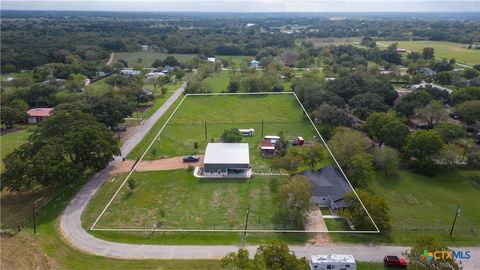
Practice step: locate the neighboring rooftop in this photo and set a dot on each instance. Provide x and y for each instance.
(40, 112)
(227, 153)
(329, 181)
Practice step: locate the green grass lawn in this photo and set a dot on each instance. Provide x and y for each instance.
(443, 49)
(148, 57)
(422, 206)
(187, 126)
(98, 88)
(10, 140)
(219, 81)
(176, 199)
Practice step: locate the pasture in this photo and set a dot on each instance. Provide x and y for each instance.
(443, 49)
(425, 206)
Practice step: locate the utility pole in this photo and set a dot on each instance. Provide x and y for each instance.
(262, 129)
(246, 222)
(33, 219)
(457, 212)
(206, 135)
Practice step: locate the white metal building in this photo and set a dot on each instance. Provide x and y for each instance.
(226, 160)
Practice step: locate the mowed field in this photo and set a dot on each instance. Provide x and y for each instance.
(178, 200)
(425, 206)
(11, 140)
(279, 113)
(443, 49)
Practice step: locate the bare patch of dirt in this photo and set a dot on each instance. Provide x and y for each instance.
(18, 253)
(164, 164)
(315, 222)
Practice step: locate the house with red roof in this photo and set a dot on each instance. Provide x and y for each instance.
(37, 115)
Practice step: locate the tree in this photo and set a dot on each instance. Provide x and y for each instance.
(345, 143)
(22, 80)
(232, 135)
(311, 155)
(450, 132)
(132, 184)
(8, 116)
(387, 128)
(365, 104)
(422, 146)
(236, 260)
(282, 145)
(377, 207)
(164, 91)
(444, 77)
(448, 157)
(117, 80)
(417, 259)
(289, 162)
(469, 111)
(412, 101)
(428, 53)
(162, 81)
(234, 85)
(274, 255)
(360, 169)
(470, 73)
(76, 82)
(386, 158)
(332, 115)
(293, 195)
(59, 150)
(433, 113)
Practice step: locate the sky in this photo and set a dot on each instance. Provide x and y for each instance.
(250, 5)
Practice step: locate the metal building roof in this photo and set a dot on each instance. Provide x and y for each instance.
(227, 153)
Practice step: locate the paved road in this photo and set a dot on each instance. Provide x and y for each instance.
(72, 231)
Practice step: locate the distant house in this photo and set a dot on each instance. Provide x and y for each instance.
(130, 72)
(37, 115)
(144, 47)
(211, 59)
(432, 85)
(167, 69)
(154, 75)
(417, 123)
(401, 50)
(254, 63)
(329, 187)
(427, 71)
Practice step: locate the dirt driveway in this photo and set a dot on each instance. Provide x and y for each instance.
(163, 164)
(315, 222)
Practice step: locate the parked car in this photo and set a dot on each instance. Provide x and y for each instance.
(191, 158)
(394, 261)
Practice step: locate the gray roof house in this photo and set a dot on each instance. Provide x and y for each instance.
(227, 160)
(329, 187)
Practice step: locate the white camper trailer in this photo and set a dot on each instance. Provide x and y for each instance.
(247, 132)
(333, 262)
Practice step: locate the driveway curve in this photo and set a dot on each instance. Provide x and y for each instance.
(73, 232)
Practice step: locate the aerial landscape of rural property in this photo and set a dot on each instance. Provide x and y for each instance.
(222, 134)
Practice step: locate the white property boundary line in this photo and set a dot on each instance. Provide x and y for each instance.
(228, 230)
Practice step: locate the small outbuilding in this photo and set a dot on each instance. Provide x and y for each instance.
(329, 187)
(227, 160)
(37, 115)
